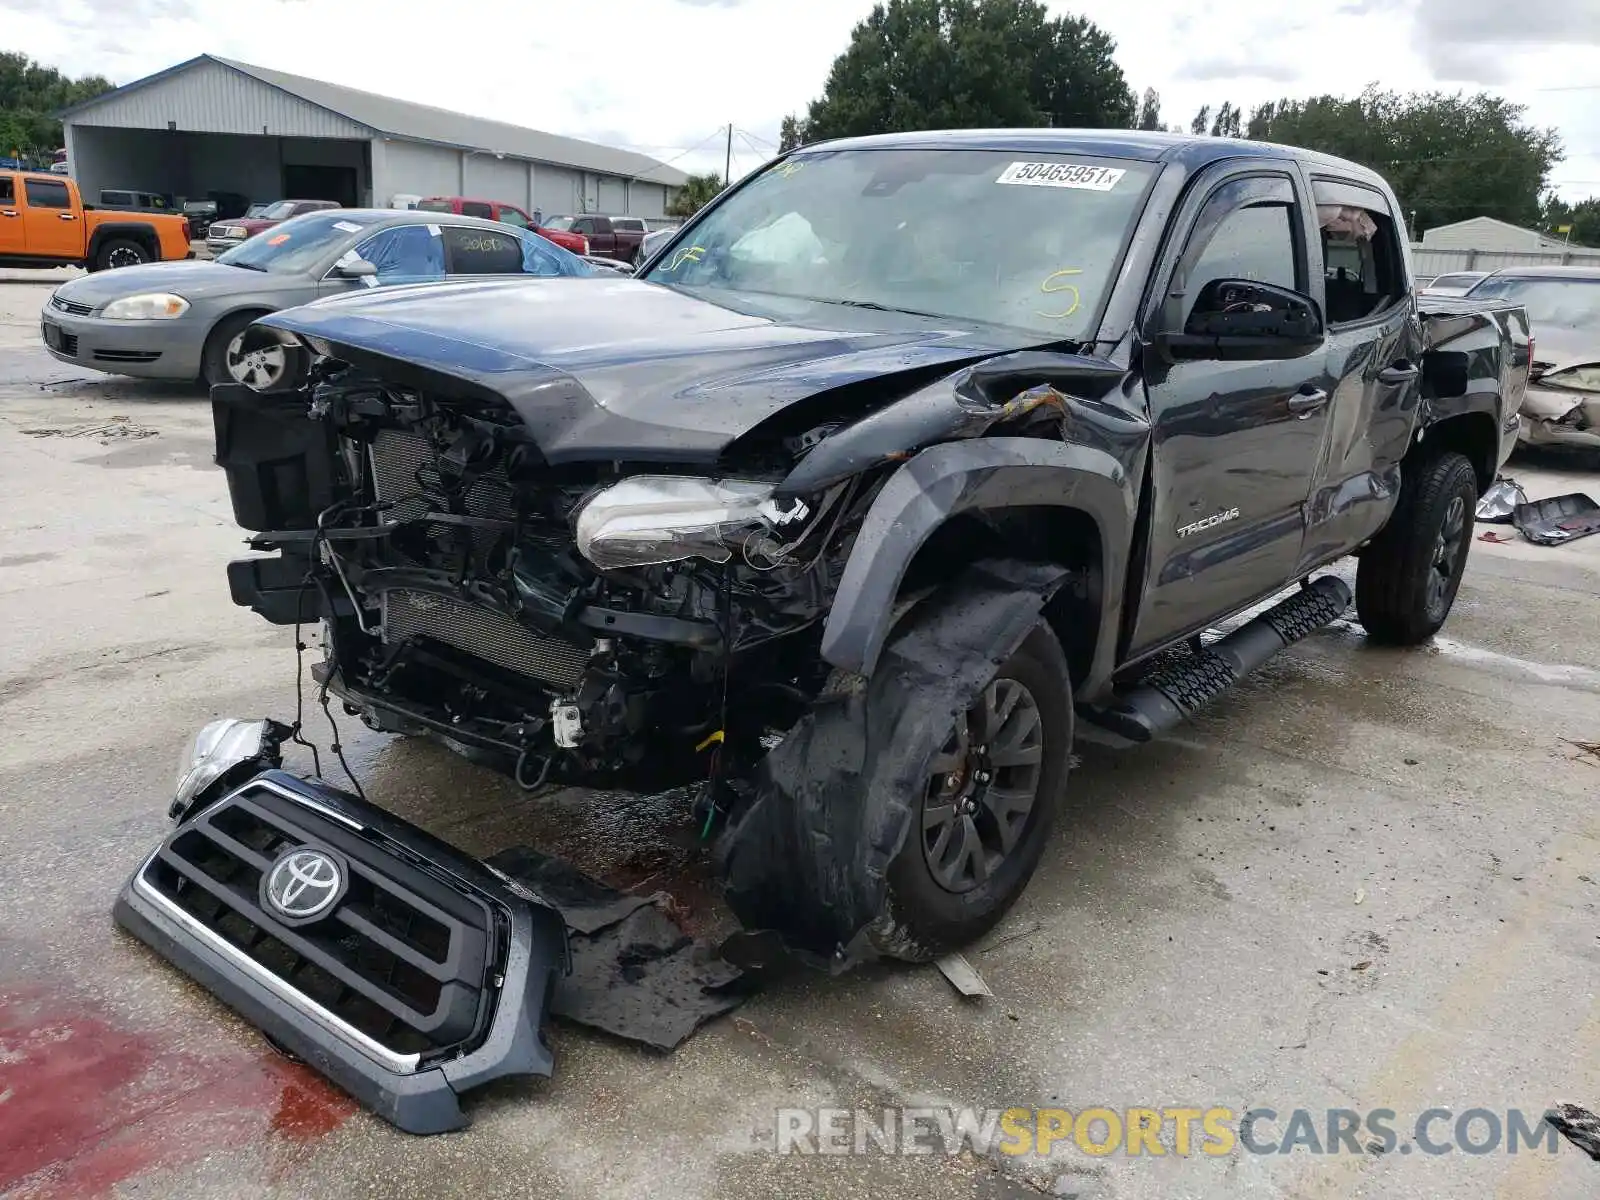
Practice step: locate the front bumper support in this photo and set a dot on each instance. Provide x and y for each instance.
(523, 940)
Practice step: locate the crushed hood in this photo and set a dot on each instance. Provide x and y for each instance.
(616, 368)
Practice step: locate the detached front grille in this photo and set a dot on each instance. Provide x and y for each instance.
(484, 633)
(403, 959)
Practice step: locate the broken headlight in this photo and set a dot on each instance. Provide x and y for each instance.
(219, 748)
(666, 518)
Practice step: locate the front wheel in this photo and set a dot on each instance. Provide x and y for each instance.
(980, 826)
(259, 359)
(1410, 572)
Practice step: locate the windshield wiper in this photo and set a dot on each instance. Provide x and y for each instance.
(876, 307)
(247, 266)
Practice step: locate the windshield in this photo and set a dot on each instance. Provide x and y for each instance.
(1571, 303)
(559, 224)
(256, 210)
(974, 235)
(280, 211)
(298, 244)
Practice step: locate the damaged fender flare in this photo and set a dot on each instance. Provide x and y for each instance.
(835, 799)
(955, 477)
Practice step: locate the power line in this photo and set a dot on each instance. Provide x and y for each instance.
(752, 137)
(719, 131)
(755, 149)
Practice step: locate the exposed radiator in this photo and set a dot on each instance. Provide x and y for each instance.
(484, 633)
(401, 465)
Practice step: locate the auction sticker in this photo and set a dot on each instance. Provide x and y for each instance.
(1062, 175)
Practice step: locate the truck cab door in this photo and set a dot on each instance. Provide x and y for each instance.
(1373, 366)
(53, 227)
(1236, 439)
(12, 239)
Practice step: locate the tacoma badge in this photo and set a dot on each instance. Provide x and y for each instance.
(1211, 522)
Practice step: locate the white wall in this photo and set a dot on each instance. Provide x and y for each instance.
(415, 168)
(491, 178)
(555, 190)
(613, 196)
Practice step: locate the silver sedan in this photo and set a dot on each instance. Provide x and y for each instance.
(187, 320)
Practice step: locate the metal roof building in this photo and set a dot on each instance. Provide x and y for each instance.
(217, 125)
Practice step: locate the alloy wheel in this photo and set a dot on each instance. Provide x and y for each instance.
(1447, 553)
(261, 368)
(982, 788)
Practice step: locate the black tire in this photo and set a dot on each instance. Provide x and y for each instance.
(120, 252)
(923, 917)
(1409, 574)
(214, 361)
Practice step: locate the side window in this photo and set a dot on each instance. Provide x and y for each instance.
(405, 254)
(1247, 230)
(470, 251)
(474, 208)
(8, 190)
(513, 216)
(1362, 257)
(44, 193)
(583, 225)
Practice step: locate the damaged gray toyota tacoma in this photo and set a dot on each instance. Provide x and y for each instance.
(904, 459)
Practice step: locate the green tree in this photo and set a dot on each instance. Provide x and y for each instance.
(1448, 156)
(791, 134)
(962, 64)
(1202, 120)
(1150, 111)
(1583, 218)
(697, 192)
(29, 93)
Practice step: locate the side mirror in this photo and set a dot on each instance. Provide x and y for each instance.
(358, 268)
(1243, 319)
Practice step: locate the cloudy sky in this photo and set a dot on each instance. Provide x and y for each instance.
(666, 76)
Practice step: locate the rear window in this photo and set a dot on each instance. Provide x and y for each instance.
(434, 206)
(116, 197)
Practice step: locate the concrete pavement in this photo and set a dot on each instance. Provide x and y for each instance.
(1366, 879)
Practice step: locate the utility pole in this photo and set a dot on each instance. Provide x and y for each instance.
(727, 168)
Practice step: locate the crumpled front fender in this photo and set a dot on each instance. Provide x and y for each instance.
(835, 799)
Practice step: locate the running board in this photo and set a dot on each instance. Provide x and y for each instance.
(1164, 698)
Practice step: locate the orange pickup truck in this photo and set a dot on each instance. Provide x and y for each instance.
(43, 223)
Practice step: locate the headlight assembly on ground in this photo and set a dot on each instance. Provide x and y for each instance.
(667, 518)
(152, 306)
(217, 749)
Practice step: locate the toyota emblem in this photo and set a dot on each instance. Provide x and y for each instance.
(304, 884)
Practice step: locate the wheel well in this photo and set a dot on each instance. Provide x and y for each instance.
(1471, 434)
(1046, 533)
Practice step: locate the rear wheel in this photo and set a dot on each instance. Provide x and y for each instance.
(120, 252)
(988, 803)
(1410, 572)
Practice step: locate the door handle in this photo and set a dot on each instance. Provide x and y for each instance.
(69, 216)
(1306, 401)
(8, 212)
(1400, 372)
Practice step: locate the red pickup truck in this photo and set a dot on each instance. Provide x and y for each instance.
(609, 237)
(498, 210)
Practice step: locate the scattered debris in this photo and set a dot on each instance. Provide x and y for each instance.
(1361, 894)
(1495, 536)
(1362, 966)
(1557, 519)
(634, 974)
(1591, 749)
(114, 427)
(963, 976)
(1579, 1126)
(1504, 496)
